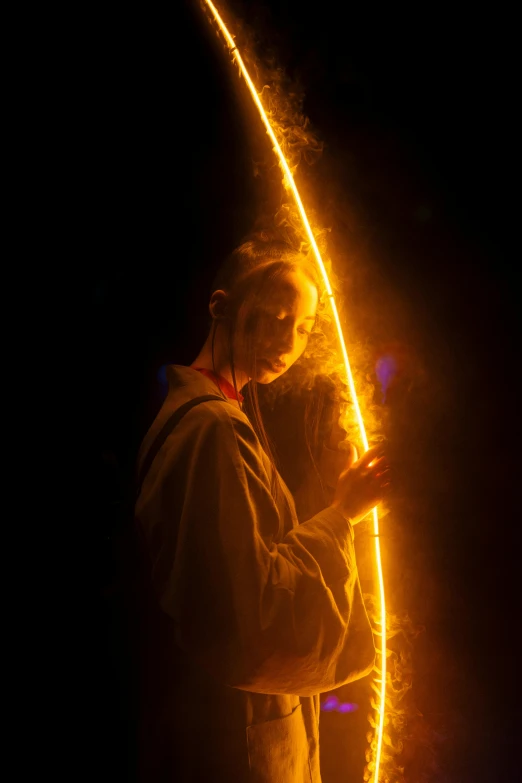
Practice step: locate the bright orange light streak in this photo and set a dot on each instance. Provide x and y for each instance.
(292, 186)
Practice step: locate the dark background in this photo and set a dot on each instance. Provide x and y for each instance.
(419, 183)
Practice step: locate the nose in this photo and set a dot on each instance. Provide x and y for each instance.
(285, 339)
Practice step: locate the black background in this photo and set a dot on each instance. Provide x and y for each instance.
(418, 181)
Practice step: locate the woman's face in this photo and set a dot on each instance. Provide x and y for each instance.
(283, 322)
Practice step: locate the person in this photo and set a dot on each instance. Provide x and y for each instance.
(249, 614)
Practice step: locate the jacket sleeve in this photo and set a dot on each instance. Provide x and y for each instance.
(264, 616)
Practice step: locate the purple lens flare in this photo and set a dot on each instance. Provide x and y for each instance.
(385, 369)
(332, 704)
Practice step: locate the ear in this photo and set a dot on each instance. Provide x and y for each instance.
(218, 305)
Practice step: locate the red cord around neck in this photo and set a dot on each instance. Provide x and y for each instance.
(225, 386)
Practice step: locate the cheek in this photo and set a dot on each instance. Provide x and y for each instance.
(299, 348)
(254, 331)
(263, 341)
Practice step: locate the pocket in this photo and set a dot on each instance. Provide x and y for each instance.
(278, 750)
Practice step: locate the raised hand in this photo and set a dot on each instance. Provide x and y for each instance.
(363, 485)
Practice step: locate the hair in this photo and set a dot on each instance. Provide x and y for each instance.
(250, 273)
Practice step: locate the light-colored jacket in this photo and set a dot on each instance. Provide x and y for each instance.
(251, 614)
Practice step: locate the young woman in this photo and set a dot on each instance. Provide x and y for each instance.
(250, 615)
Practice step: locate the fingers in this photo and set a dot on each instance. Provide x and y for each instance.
(373, 453)
(378, 466)
(379, 474)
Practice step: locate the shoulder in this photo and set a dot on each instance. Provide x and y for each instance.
(216, 413)
(227, 433)
(224, 423)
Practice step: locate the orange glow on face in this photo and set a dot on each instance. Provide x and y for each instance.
(288, 179)
(283, 325)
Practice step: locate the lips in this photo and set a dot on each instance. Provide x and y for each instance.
(276, 365)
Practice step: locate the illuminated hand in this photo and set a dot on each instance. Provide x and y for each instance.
(363, 485)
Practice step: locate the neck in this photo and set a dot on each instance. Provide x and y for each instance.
(221, 364)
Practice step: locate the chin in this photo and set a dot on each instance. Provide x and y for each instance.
(266, 376)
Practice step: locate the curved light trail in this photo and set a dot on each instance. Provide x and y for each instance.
(349, 376)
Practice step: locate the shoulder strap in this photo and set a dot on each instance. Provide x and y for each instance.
(165, 431)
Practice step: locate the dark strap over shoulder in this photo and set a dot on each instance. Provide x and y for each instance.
(165, 431)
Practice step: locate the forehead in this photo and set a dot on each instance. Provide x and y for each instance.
(294, 291)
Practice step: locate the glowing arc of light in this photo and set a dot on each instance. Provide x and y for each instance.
(297, 198)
